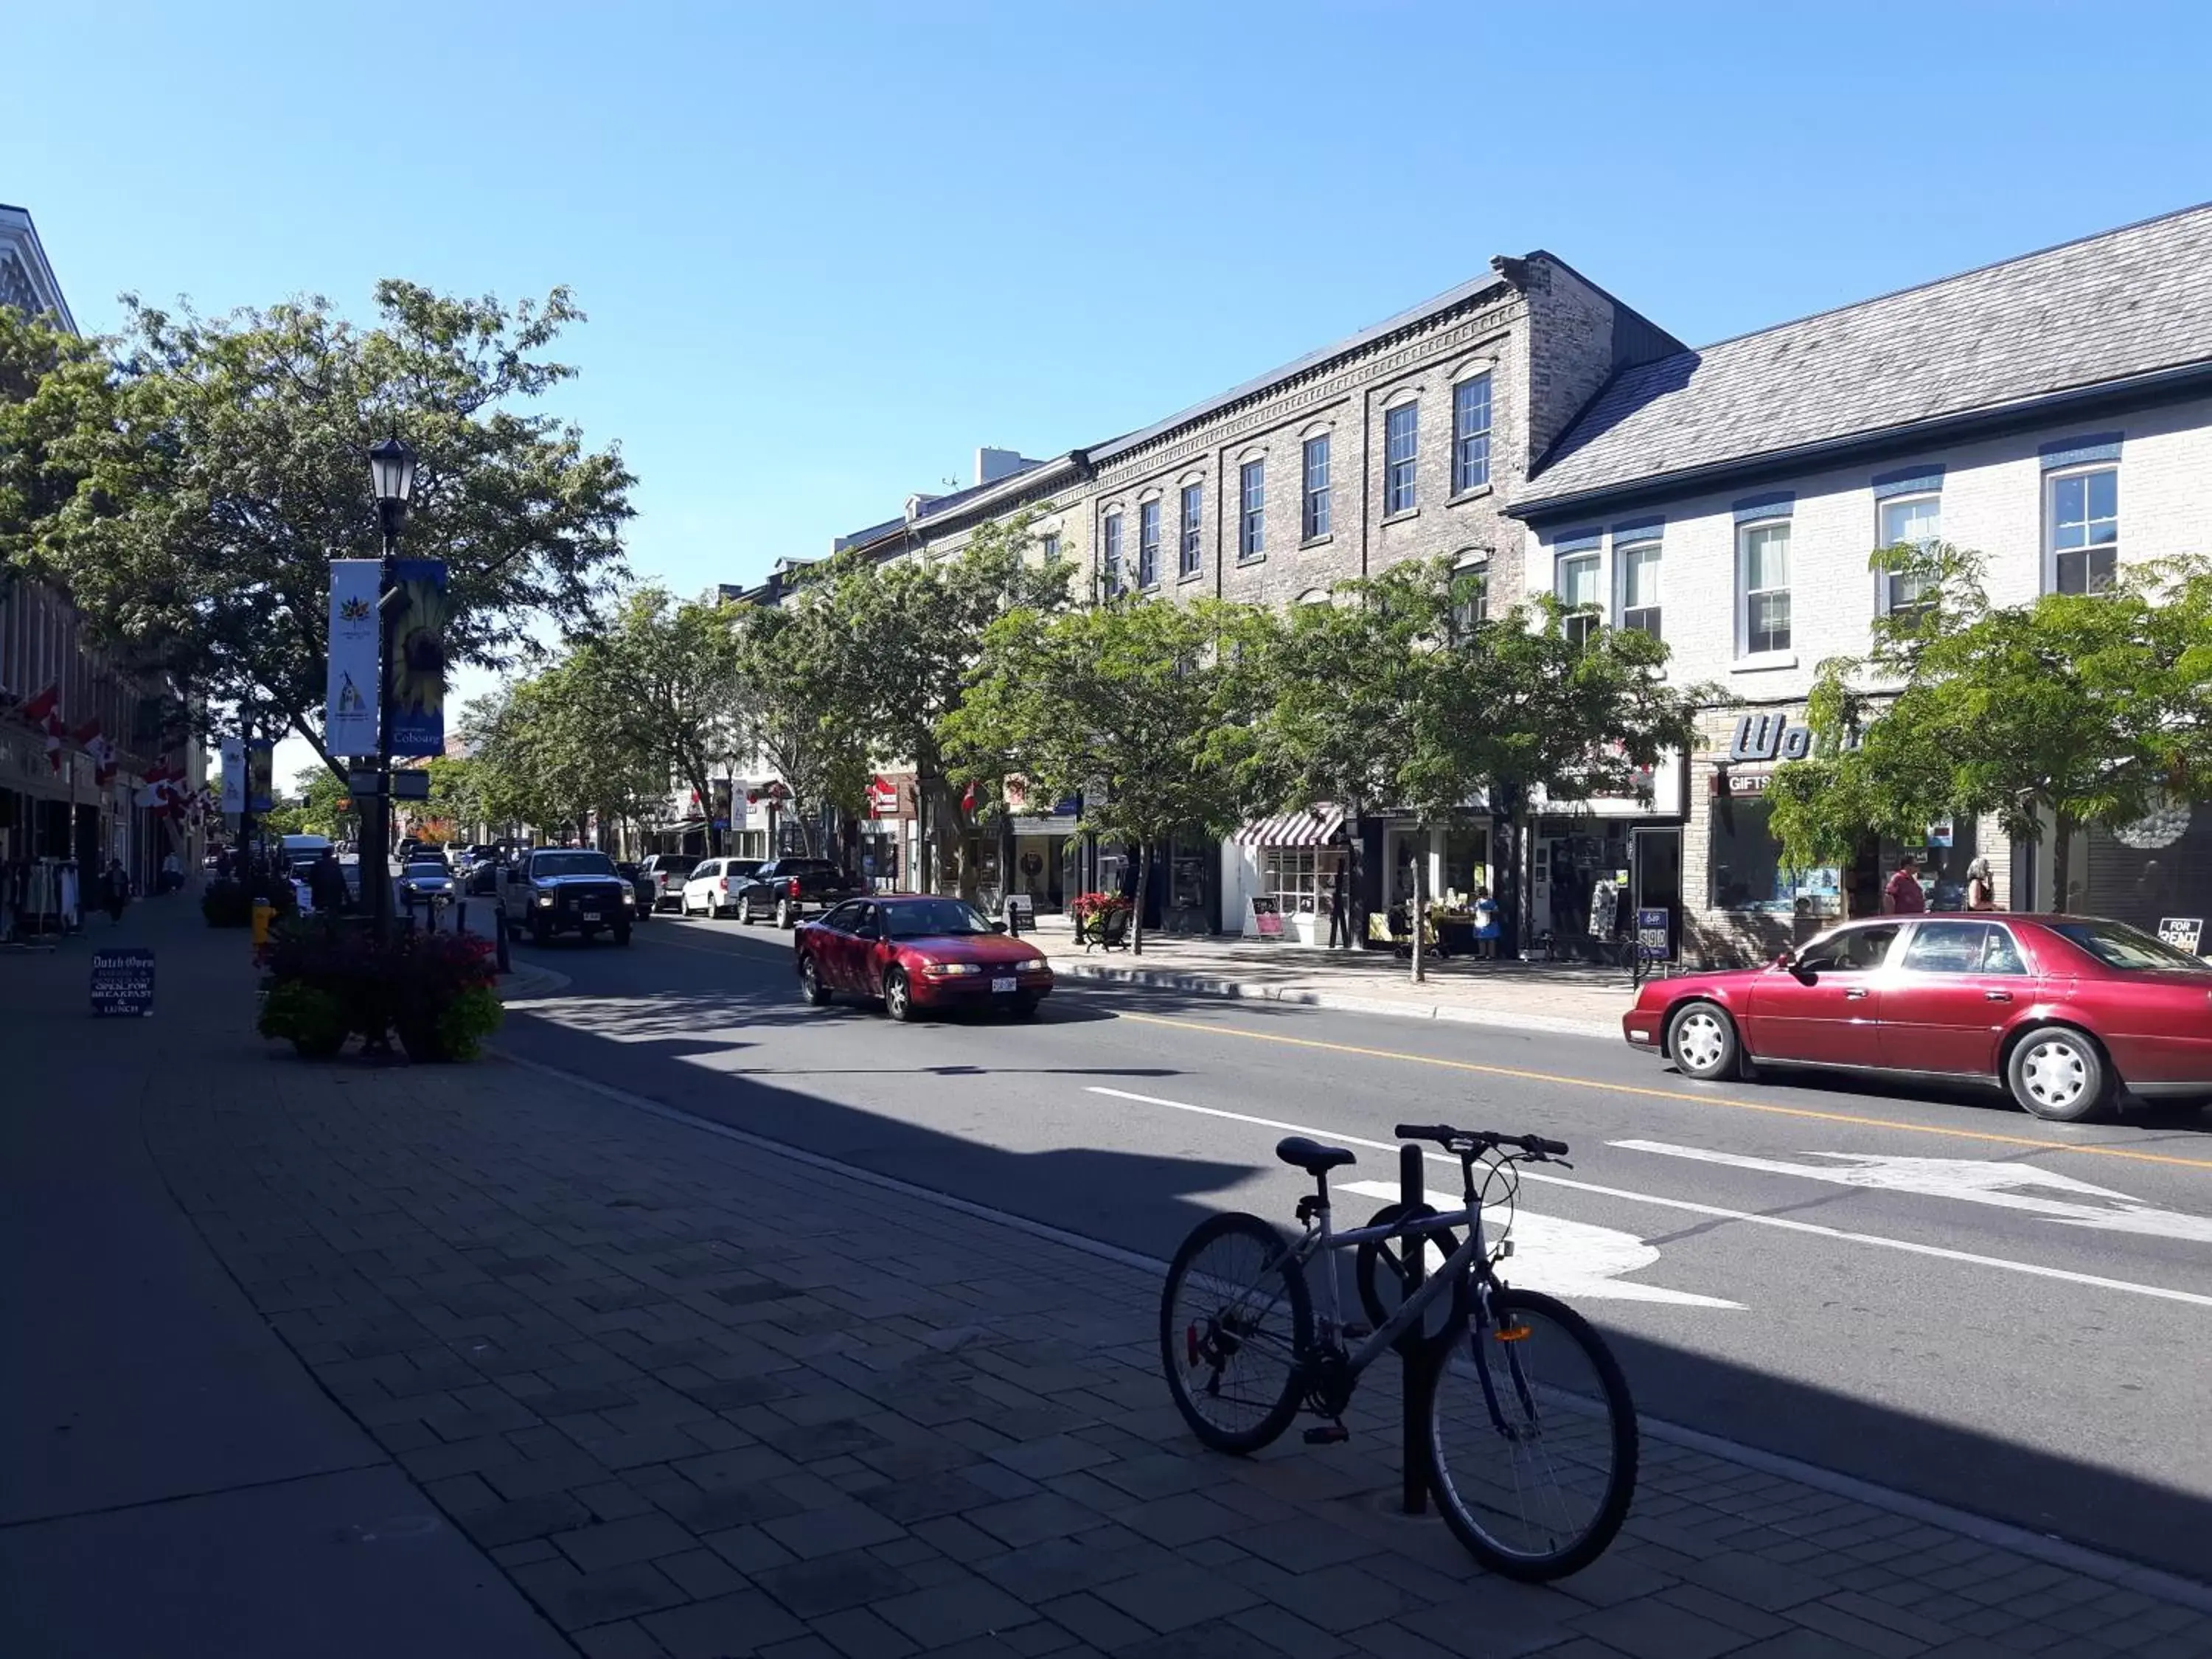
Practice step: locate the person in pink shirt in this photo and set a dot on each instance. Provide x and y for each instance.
(1904, 896)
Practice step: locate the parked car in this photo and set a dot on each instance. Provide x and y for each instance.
(916, 954)
(563, 891)
(668, 871)
(789, 889)
(709, 888)
(2062, 1013)
(640, 884)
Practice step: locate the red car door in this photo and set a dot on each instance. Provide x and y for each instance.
(1826, 1007)
(1952, 989)
(834, 946)
(872, 951)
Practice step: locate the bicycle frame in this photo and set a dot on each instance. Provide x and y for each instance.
(1471, 1257)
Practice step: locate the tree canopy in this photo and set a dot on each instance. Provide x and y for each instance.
(2073, 708)
(188, 483)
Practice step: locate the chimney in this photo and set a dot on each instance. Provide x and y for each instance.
(993, 465)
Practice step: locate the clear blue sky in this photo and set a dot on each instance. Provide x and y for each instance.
(827, 250)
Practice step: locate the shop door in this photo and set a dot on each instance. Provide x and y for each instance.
(1655, 868)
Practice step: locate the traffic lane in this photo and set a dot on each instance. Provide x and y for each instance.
(2182, 1131)
(1835, 1354)
(1929, 1175)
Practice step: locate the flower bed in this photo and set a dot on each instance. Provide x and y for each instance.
(434, 992)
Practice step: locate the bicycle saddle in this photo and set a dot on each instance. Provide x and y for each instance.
(1311, 1156)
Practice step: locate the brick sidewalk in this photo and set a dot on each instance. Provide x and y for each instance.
(700, 1398)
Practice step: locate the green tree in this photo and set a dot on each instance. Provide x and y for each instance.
(2072, 709)
(1403, 692)
(1136, 705)
(795, 712)
(325, 808)
(907, 637)
(666, 676)
(553, 751)
(215, 467)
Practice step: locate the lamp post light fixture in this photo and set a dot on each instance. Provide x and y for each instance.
(391, 470)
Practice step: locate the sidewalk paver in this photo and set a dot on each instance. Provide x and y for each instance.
(700, 1398)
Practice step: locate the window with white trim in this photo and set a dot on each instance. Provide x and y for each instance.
(1471, 434)
(1470, 594)
(1051, 544)
(1112, 561)
(1190, 553)
(1292, 876)
(2083, 510)
(1639, 587)
(1576, 585)
(1909, 522)
(1252, 522)
(1763, 587)
(1401, 444)
(1313, 513)
(1148, 543)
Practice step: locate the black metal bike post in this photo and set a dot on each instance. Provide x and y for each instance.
(1412, 1189)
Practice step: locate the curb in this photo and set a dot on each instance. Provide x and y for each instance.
(525, 982)
(1252, 991)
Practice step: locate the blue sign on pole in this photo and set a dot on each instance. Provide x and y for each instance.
(1654, 938)
(123, 983)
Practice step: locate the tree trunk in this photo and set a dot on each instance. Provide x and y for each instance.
(2062, 863)
(1137, 909)
(1418, 912)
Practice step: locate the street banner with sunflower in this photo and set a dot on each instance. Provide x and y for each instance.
(417, 691)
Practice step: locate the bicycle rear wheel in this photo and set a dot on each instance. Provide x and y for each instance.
(1532, 1438)
(1236, 1322)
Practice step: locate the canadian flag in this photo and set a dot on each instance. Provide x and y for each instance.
(88, 738)
(155, 793)
(44, 713)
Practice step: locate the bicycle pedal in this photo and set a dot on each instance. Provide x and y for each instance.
(1328, 1434)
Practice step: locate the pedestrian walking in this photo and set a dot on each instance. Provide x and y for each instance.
(118, 883)
(1340, 906)
(1486, 924)
(1904, 896)
(173, 873)
(1981, 891)
(326, 883)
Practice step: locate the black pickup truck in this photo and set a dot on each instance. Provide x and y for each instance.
(565, 890)
(789, 889)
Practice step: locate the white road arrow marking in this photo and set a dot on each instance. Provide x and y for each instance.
(1569, 1259)
(2005, 1186)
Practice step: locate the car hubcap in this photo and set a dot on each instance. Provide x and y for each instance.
(2055, 1074)
(1699, 1043)
(807, 978)
(894, 994)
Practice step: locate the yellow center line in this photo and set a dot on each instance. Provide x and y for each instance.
(1768, 1107)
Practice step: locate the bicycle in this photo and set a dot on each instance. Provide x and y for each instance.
(1531, 1384)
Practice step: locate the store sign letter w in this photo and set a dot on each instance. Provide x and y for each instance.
(1768, 737)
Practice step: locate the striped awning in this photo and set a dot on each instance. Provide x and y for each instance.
(1311, 826)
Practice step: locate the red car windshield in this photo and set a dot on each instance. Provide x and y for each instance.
(935, 919)
(2118, 945)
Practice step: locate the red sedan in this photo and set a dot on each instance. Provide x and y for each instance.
(2062, 1013)
(917, 954)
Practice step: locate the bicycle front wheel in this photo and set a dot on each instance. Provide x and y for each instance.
(1532, 1438)
(1236, 1322)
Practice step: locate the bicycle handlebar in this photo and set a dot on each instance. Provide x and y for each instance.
(1479, 1140)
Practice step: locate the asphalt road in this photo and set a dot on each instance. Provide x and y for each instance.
(1938, 1294)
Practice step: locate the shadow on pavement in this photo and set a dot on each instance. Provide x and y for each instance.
(1145, 1201)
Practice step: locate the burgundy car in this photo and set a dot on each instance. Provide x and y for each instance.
(2063, 1012)
(919, 953)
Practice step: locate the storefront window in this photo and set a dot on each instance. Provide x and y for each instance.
(1293, 875)
(1748, 873)
(1466, 861)
(1944, 854)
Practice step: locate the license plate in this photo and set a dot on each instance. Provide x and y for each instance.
(1002, 984)
(591, 915)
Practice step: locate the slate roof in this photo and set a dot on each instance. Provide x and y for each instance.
(2106, 308)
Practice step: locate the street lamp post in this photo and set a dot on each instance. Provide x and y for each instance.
(392, 465)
